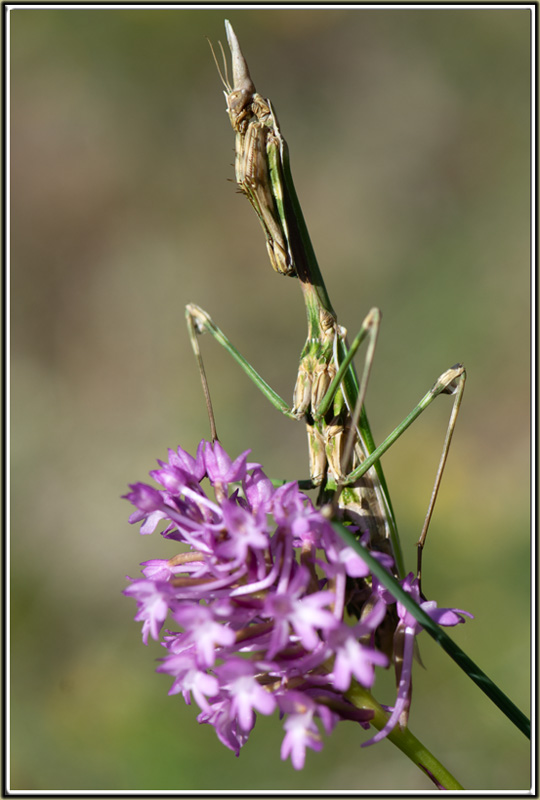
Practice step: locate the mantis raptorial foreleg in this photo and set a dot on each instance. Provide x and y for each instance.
(258, 161)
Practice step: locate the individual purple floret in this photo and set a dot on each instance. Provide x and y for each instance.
(259, 595)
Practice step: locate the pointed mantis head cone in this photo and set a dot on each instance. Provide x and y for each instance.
(241, 78)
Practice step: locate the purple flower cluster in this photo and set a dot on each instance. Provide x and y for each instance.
(261, 596)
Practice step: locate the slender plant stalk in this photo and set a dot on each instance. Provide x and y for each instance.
(471, 669)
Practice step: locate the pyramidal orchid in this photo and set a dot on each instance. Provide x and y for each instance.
(256, 605)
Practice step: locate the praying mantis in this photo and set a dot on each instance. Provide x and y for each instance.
(328, 396)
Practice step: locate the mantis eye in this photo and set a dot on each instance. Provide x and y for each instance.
(238, 100)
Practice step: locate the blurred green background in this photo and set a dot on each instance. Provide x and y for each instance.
(409, 139)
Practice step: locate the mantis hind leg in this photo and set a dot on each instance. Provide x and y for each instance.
(452, 382)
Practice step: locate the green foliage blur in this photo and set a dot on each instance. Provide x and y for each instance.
(409, 133)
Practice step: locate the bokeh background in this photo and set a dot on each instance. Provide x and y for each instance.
(409, 136)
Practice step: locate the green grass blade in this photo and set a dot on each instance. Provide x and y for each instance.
(465, 663)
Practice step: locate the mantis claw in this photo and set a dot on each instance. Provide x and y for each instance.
(259, 153)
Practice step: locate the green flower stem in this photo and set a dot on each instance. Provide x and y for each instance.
(404, 740)
(471, 669)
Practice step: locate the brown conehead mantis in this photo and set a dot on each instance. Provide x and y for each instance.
(328, 396)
